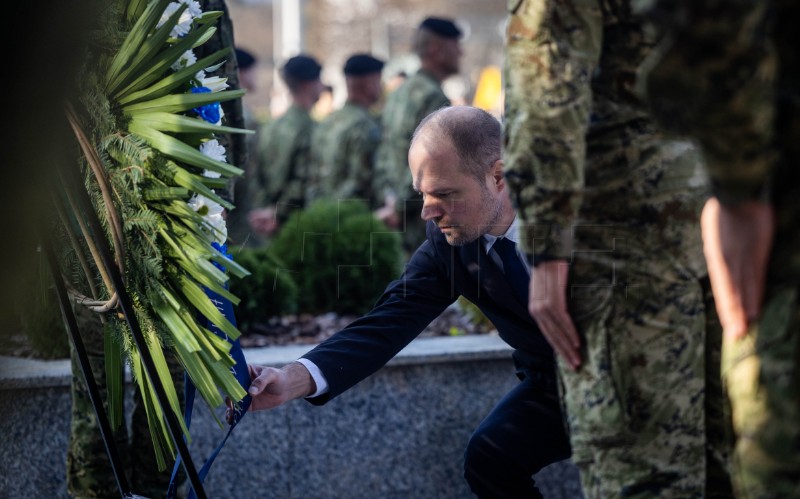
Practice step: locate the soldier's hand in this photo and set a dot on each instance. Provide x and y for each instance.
(263, 221)
(548, 307)
(737, 241)
(388, 213)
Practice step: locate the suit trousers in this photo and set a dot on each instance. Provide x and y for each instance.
(524, 433)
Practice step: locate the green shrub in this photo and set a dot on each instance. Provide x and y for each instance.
(269, 291)
(476, 317)
(340, 256)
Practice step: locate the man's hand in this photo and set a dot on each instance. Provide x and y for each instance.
(737, 241)
(548, 307)
(272, 387)
(263, 221)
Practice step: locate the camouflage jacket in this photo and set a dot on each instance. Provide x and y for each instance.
(416, 98)
(283, 158)
(741, 103)
(343, 154)
(589, 170)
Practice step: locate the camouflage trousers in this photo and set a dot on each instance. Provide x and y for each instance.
(761, 373)
(645, 411)
(89, 472)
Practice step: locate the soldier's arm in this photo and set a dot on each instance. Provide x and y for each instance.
(728, 103)
(552, 49)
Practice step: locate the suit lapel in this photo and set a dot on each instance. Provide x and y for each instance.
(487, 278)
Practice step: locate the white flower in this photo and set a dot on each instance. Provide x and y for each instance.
(187, 59)
(193, 8)
(184, 21)
(213, 83)
(221, 115)
(213, 150)
(204, 206)
(214, 224)
(219, 231)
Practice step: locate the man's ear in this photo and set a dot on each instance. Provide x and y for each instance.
(498, 176)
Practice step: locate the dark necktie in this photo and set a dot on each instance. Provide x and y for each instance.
(513, 268)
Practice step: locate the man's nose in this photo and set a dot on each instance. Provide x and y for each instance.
(430, 210)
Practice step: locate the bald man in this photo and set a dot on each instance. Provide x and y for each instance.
(470, 251)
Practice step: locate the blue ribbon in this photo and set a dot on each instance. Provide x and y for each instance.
(239, 370)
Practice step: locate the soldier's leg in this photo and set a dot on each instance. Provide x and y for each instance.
(762, 377)
(636, 406)
(89, 472)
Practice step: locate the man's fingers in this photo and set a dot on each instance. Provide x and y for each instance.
(559, 339)
(258, 379)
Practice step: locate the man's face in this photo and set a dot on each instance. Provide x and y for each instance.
(314, 88)
(449, 55)
(462, 207)
(372, 87)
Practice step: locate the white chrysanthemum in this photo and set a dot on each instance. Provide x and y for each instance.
(185, 21)
(214, 150)
(193, 8)
(219, 232)
(187, 59)
(214, 83)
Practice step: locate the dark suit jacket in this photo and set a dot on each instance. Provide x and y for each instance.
(435, 276)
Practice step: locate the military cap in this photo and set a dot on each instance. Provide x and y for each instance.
(244, 58)
(442, 27)
(302, 68)
(362, 64)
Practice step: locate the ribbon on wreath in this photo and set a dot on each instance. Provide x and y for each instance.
(239, 370)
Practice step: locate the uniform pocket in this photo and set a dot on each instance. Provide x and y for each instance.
(592, 397)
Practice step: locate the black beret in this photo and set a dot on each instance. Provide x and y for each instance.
(362, 64)
(442, 27)
(302, 68)
(244, 58)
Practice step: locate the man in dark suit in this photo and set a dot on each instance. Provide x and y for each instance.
(455, 161)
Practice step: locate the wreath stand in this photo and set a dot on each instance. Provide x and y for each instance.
(126, 309)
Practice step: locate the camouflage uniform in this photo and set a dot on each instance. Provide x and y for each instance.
(741, 98)
(598, 185)
(343, 154)
(284, 161)
(420, 95)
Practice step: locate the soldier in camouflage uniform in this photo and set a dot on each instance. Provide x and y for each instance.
(89, 473)
(343, 146)
(611, 211)
(437, 45)
(740, 96)
(284, 147)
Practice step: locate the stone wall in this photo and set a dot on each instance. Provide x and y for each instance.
(400, 433)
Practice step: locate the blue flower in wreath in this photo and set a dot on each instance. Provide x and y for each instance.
(209, 112)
